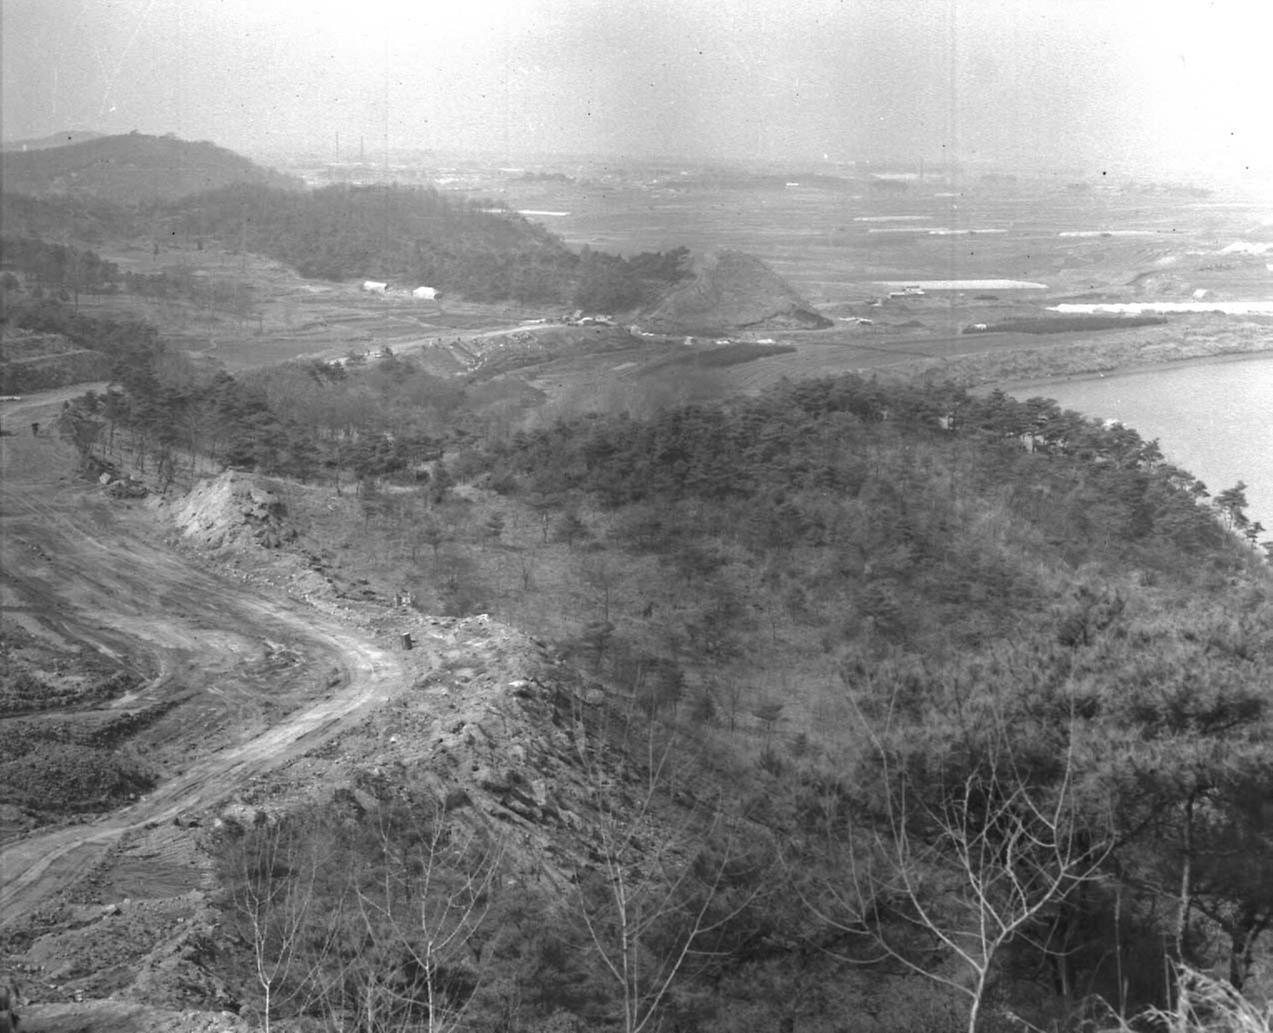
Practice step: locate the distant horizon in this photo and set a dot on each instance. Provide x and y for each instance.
(1174, 91)
(934, 168)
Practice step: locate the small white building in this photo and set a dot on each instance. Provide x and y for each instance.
(374, 287)
(425, 293)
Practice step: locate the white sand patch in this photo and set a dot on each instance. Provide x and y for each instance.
(1228, 308)
(536, 211)
(889, 218)
(934, 231)
(1247, 247)
(1109, 233)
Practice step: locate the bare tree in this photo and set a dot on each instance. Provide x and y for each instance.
(970, 868)
(422, 917)
(655, 898)
(274, 877)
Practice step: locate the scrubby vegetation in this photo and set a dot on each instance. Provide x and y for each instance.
(58, 768)
(985, 685)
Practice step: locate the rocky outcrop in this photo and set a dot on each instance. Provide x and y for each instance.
(733, 290)
(231, 510)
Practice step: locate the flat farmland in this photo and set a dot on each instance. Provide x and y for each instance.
(279, 315)
(851, 247)
(847, 245)
(836, 245)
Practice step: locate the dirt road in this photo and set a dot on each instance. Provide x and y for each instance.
(87, 573)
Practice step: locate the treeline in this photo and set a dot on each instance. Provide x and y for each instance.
(313, 421)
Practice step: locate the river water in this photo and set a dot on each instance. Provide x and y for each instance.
(1214, 419)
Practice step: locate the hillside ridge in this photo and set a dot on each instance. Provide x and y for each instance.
(58, 139)
(733, 290)
(133, 168)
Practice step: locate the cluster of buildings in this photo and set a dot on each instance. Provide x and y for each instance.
(420, 293)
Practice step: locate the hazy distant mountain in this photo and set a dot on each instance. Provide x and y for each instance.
(68, 136)
(733, 290)
(131, 169)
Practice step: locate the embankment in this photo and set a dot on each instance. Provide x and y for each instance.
(1204, 339)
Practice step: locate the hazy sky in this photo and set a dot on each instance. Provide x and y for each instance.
(1179, 85)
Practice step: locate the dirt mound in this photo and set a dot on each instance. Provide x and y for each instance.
(733, 290)
(230, 511)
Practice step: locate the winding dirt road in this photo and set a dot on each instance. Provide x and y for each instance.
(88, 573)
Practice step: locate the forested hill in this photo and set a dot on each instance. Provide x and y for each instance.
(123, 187)
(131, 169)
(937, 654)
(421, 236)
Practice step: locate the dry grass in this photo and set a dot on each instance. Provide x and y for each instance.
(1203, 1005)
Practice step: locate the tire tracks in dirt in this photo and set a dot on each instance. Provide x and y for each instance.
(35, 868)
(81, 563)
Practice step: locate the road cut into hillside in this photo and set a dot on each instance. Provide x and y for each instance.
(90, 575)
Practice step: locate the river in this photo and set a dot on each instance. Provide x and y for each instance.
(1214, 419)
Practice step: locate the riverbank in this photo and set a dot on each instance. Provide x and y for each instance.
(1202, 340)
(1209, 416)
(1040, 385)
